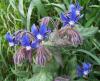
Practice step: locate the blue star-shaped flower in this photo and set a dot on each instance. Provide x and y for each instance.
(72, 16)
(71, 19)
(40, 33)
(84, 70)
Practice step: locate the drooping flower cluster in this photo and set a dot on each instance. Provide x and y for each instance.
(21, 37)
(43, 55)
(28, 41)
(84, 70)
(69, 20)
(73, 15)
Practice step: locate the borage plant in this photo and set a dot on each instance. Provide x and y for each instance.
(43, 48)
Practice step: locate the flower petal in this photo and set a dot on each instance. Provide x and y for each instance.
(78, 7)
(25, 40)
(34, 44)
(71, 7)
(43, 29)
(79, 71)
(86, 66)
(34, 30)
(73, 14)
(64, 18)
(9, 38)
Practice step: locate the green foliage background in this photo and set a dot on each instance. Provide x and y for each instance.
(21, 14)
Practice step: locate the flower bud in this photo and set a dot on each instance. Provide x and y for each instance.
(43, 55)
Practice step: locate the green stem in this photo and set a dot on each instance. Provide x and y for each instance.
(2, 57)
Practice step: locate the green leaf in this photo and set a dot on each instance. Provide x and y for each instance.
(20, 73)
(90, 54)
(29, 14)
(21, 79)
(89, 22)
(12, 3)
(3, 21)
(40, 7)
(87, 32)
(20, 8)
(85, 2)
(49, 67)
(42, 76)
(72, 64)
(1, 54)
(35, 68)
(96, 43)
(95, 6)
(66, 3)
(58, 7)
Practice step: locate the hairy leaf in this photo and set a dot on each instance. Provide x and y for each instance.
(87, 32)
(42, 76)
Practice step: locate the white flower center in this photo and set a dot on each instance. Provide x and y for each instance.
(86, 72)
(28, 47)
(39, 36)
(71, 23)
(77, 12)
(11, 44)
